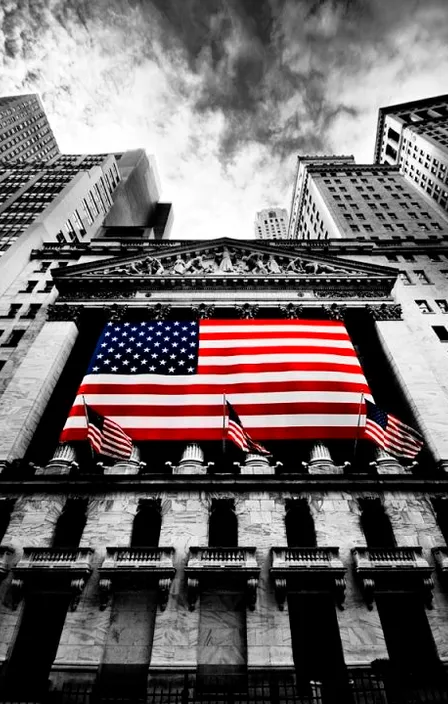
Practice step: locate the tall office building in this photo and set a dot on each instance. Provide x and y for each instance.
(186, 573)
(334, 197)
(25, 133)
(271, 224)
(414, 136)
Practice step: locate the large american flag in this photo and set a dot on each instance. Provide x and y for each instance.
(390, 433)
(165, 380)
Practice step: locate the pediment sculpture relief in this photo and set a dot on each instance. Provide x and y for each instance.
(227, 261)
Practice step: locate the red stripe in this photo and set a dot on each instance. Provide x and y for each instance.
(208, 324)
(240, 387)
(297, 349)
(143, 434)
(278, 367)
(263, 409)
(268, 335)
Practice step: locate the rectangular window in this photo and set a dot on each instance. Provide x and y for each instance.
(14, 338)
(424, 307)
(443, 305)
(404, 277)
(421, 276)
(29, 286)
(441, 332)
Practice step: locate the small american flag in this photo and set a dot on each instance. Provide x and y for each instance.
(238, 435)
(390, 433)
(106, 437)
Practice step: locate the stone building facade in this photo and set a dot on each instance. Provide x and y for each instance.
(314, 576)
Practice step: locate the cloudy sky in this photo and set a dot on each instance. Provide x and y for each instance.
(225, 93)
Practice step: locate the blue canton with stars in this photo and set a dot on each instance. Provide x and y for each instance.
(155, 347)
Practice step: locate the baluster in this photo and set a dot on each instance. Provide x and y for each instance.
(192, 461)
(63, 461)
(131, 466)
(321, 462)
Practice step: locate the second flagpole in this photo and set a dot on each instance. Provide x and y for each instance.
(224, 423)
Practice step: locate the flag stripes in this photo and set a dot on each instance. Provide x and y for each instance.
(289, 379)
(107, 437)
(391, 434)
(239, 436)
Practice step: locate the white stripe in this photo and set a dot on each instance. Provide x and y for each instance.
(280, 358)
(223, 379)
(279, 327)
(216, 399)
(274, 342)
(287, 421)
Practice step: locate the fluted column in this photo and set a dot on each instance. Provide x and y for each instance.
(256, 464)
(130, 466)
(192, 461)
(62, 462)
(320, 461)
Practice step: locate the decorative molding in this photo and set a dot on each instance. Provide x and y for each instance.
(335, 311)
(160, 311)
(292, 311)
(246, 311)
(203, 310)
(64, 312)
(385, 311)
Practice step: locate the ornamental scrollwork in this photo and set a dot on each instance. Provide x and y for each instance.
(335, 312)
(160, 311)
(203, 310)
(63, 312)
(116, 313)
(246, 311)
(385, 311)
(292, 311)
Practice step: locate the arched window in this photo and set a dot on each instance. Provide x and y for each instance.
(147, 524)
(223, 525)
(70, 524)
(375, 524)
(299, 524)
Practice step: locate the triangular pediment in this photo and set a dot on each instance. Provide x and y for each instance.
(222, 259)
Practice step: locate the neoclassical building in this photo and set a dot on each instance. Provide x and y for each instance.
(185, 575)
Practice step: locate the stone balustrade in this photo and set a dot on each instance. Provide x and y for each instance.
(301, 567)
(393, 567)
(62, 565)
(144, 561)
(205, 563)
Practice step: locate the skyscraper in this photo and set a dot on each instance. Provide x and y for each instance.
(25, 133)
(334, 197)
(414, 136)
(271, 224)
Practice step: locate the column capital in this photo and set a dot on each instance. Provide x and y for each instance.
(57, 312)
(385, 311)
(335, 311)
(203, 310)
(292, 311)
(247, 311)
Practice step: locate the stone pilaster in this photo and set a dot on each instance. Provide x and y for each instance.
(261, 523)
(176, 632)
(27, 395)
(419, 385)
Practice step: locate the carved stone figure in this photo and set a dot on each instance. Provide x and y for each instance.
(273, 266)
(226, 264)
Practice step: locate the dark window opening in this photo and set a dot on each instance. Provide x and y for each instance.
(6, 507)
(14, 338)
(29, 286)
(223, 525)
(441, 332)
(440, 507)
(316, 645)
(147, 525)
(36, 645)
(300, 532)
(393, 135)
(13, 310)
(70, 524)
(32, 311)
(376, 525)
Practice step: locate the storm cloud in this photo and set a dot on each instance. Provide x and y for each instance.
(224, 92)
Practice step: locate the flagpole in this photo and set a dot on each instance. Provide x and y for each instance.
(358, 426)
(87, 426)
(224, 423)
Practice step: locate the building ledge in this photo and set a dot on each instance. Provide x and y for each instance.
(297, 567)
(217, 561)
(394, 566)
(135, 562)
(67, 565)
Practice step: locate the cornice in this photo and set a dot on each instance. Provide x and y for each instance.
(287, 483)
